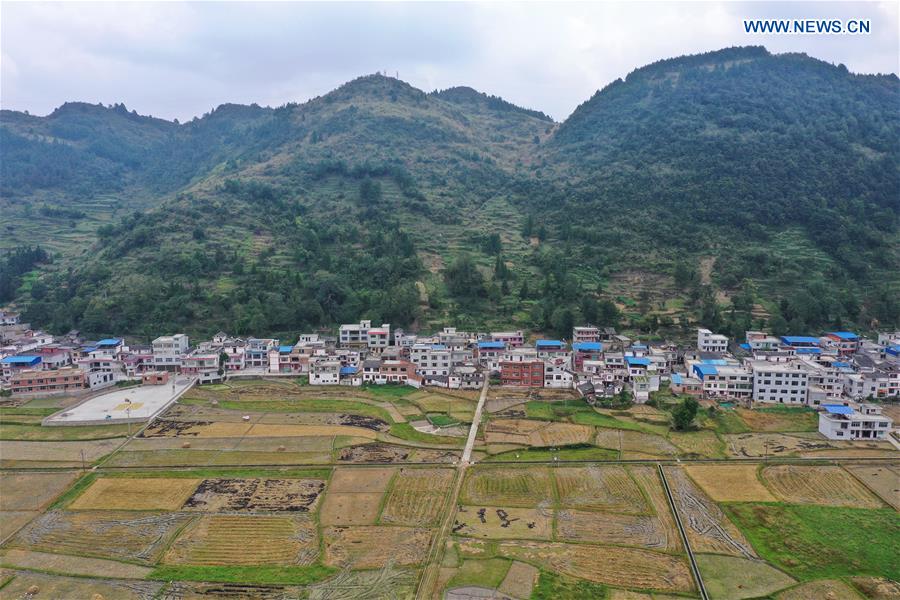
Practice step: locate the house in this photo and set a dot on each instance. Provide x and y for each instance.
(513, 339)
(256, 352)
(155, 378)
(168, 351)
(845, 342)
(681, 383)
(587, 334)
(379, 338)
(800, 341)
(15, 364)
(724, 381)
(431, 359)
(67, 379)
(878, 382)
(465, 377)
(399, 372)
(324, 372)
(235, 351)
(859, 422)
(489, 354)
(523, 373)
(204, 365)
(707, 341)
(551, 349)
(557, 374)
(780, 383)
(53, 357)
(760, 340)
(582, 351)
(637, 366)
(8, 318)
(356, 335)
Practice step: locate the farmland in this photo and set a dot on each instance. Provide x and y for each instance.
(263, 489)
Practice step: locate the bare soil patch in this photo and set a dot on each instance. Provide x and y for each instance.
(255, 495)
(62, 452)
(520, 580)
(826, 589)
(12, 520)
(58, 586)
(136, 494)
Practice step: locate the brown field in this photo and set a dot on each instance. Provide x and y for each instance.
(825, 485)
(529, 432)
(369, 480)
(173, 458)
(703, 443)
(71, 565)
(132, 536)
(135, 494)
(373, 547)
(561, 434)
(519, 581)
(634, 444)
(884, 480)
(622, 567)
(354, 496)
(246, 540)
(730, 483)
(57, 586)
(224, 429)
(386, 583)
(737, 578)
(611, 528)
(511, 431)
(495, 405)
(12, 520)
(505, 486)
(777, 421)
(228, 495)
(707, 527)
(63, 452)
(648, 478)
(755, 445)
(32, 491)
(601, 487)
(829, 589)
(417, 497)
(504, 523)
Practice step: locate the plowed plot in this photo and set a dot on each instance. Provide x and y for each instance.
(417, 496)
(57, 586)
(648, 478)
(118, 535)
(608, 528)
(707, 527)
(730, 483)
(374, 453)
(136, 494)
(827, 485)
(374, 547)
(189, 590)
(247, 540)
(816, 590)
(607, 487)
(621, 567)
(498, 523)
(31, 491)
(884, 480)
(223, 429)
(226, 495)
(11, 520)
(506, 486)
(354, 496)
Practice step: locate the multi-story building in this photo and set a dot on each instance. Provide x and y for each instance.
(431, 359)
(707, 341)
(202, 365)
(324, 372)
(67, 379)
(859, 422)
(489, 354)
(168, 351)
(879, 382)
(465, 377)
(524, 373)
(780, 383)
(16, 364)
(552, 349)
(845, 342)
(582, 351)
(724, 381)
(379, 338)
(256, 352)
(760, 340)
(587, 334)
(513, 339)
(557, 374)
(398, 372)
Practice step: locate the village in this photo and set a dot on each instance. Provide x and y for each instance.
(840, 374)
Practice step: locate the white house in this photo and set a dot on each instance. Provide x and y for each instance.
(324, 372)
(860, 422)
(707, 341)
(168, 351)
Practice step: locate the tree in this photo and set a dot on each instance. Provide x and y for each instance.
(492, 244)
(683, 414)
(223, 358)
(463, 278)
(528, 227)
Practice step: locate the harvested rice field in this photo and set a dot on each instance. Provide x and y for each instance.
(491, 522)
(733, 578)
(24, 584)
(373, 547)
(599, 487)
(505, 486)
(827, 589)
(354, 496)
(32, 491)
(16, 453)
(610, 528)
(823, 485)
(114, 493)
(535, 433)
(779, 418)
(224, 429)
(71, 565)
(884, 480)
(417, 497)
(246, 540)
(700, 444)
(730, 483)
(12, 520)
(648, 478)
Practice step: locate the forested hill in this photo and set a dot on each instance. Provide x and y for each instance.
(734, 188)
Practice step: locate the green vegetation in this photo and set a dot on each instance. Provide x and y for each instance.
(554, 586)
(726, 420)
(571, 452)
(257, 574)
(73, 492)
(15, 431)
(407, 432)
(488, 572)
(813, 542)
(389, 392)
(441, 420)
(683, 415)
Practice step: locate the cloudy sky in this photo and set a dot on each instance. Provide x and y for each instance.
(179, 60)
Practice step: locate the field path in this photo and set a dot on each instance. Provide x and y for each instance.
(476, 420)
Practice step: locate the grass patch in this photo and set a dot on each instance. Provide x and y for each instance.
(812, 542)
(553, 586)
(442, 420)
(407, 432)
(256, 574)
(487, 573)
(728, 421)
(36, 432)
(389, 391)
(21, 410)
(73, 492)
(574, 452)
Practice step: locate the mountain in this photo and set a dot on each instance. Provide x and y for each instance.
(735, 188)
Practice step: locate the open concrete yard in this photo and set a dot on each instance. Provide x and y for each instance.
(323, 494)
(138, 403)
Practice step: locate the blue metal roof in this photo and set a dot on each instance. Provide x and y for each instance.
(640, 361)
(639, 345)
(676, 378)
(21, 360)
(719, 362)
(791, 340)
(285, 349)
(348, 370)
(109, 342)
(893, 350)
(588, 346)
(492, 345)
(844, 335)
(838, 409)
(841, 365)
(89, 349)
(809, 351)
(745, 346)
(703, 370)
(438, 347)
(550, 343)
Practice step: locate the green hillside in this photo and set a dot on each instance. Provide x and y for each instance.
(731, 188)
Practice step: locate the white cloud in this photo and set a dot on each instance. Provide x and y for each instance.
(177, 59)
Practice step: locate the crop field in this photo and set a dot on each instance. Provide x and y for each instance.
(378, 452)
(24, 584)
(610, 528)
(12, 520)
(491, 522)
(708, 528)
(780, 418)
(535, 433)
(246, 540)
(135, 494)
(883, 480)
(825, 485)
(131, 536)
(372, 547)
(734, 578)
(499, 486)
(232, 495)
(417, 497)
(18, 453)
(758, 445)
(354, 496)
(730, 483)
(611, 565)
(226, 429)
(599, 487)
(703, 443)
(825, 588)
(635, 444)
(648, 478)
(32, 491)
